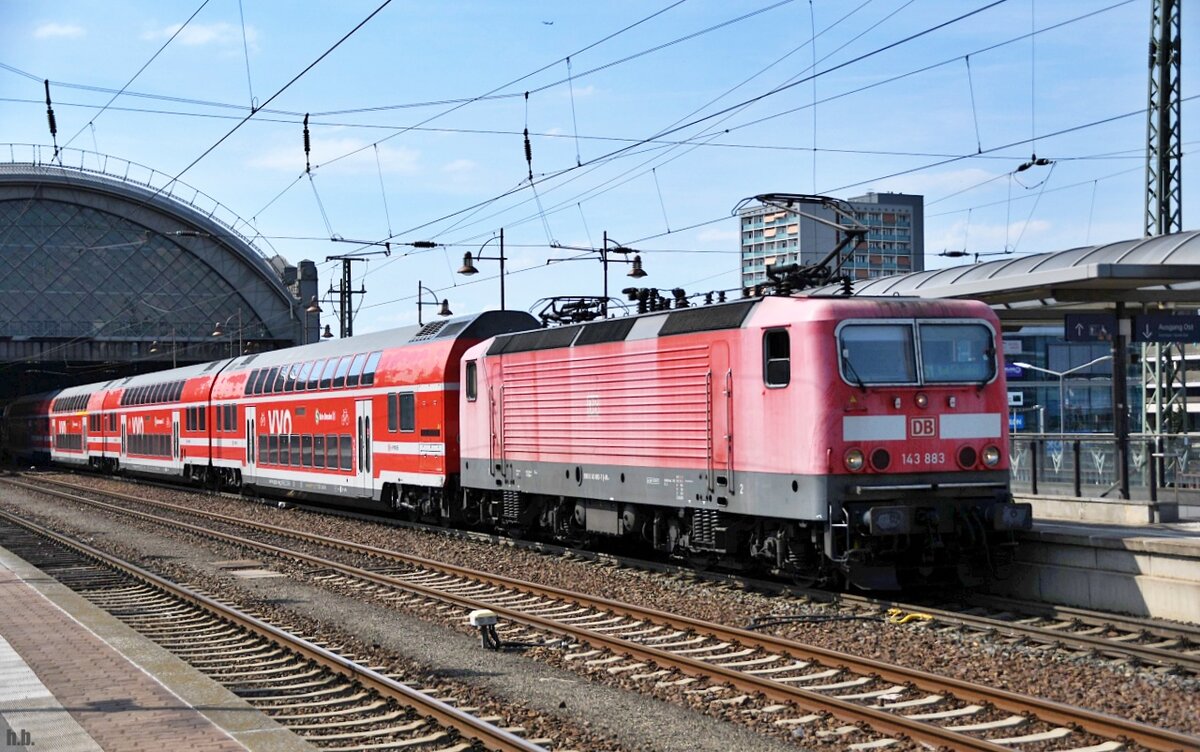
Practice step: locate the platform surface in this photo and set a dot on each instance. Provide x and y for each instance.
(75, 679)
(1150, 569)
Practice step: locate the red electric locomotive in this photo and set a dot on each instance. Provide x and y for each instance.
(823, 437)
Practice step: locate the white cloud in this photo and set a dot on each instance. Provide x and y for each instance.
(290, 158)
(219, 34)
(714, 235)
(53, 30)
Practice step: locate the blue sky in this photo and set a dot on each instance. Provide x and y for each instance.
(417, 120)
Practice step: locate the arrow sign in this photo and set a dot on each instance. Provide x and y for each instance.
(1166, 327)
(1089, 327)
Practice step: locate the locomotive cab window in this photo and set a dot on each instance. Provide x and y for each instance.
(957, 353)
(472, 381)
(881, 353)
(777, 358)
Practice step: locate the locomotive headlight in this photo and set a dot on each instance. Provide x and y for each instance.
(922, 399)
(991, 456)
(855, 460)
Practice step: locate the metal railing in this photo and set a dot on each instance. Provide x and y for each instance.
(1085, 464)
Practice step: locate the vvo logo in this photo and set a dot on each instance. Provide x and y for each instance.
(279, 421)
(922, 427)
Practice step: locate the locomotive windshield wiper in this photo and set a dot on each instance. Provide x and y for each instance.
(858, 380)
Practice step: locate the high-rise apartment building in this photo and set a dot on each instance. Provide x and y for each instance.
(895, 244)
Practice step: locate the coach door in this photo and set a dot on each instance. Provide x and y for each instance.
(123, 450)
(175, 453)
(251, 443)
(366, 448)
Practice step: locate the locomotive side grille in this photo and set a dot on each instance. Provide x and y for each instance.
(706, 318)
(541, 339)
(704, 528)
(613, 330)
(634, 405)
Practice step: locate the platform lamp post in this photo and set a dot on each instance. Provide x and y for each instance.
(219, 331)
(1062, 426)
(637, 272)
(445, 304)
(155, 347)
(313, 307)
(468, 268)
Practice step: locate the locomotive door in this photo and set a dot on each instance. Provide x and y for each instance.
(251, 441)
(366, 448)
(720, 420)
(498, 466)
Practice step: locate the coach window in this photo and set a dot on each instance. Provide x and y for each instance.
(368, 375)
(319, 450)
(393, 412)
(295, 450)
(339, 378)
(347, 452)
(302, 379)
(202, 417)
(356, 369)
(327, 373)
(306, 450)
(289, 382)
(280, 380)
(269, 381)
(314, 376)
(408, 411)
(189, 420)
(777, 358)
(331, 451)
(472, 381)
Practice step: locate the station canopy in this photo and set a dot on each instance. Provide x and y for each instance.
(1161, 273)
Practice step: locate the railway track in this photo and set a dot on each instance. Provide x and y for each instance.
(325, 697)
(797, 683)
(1170, 647)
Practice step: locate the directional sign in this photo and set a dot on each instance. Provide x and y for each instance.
(1090, 327)
(1166, 327)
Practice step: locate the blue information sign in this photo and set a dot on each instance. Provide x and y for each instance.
(1090, 327)
(1166, 327)
(1013, 371)
(1016, 421)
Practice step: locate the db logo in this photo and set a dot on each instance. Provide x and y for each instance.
(925, 427)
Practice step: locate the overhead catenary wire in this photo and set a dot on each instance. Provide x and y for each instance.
(145, 65)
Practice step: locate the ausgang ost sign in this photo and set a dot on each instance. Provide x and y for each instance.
(1165, 327)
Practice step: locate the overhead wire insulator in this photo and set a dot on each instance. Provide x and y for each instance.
(50, 118)
(307, 147)
(528, 146)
